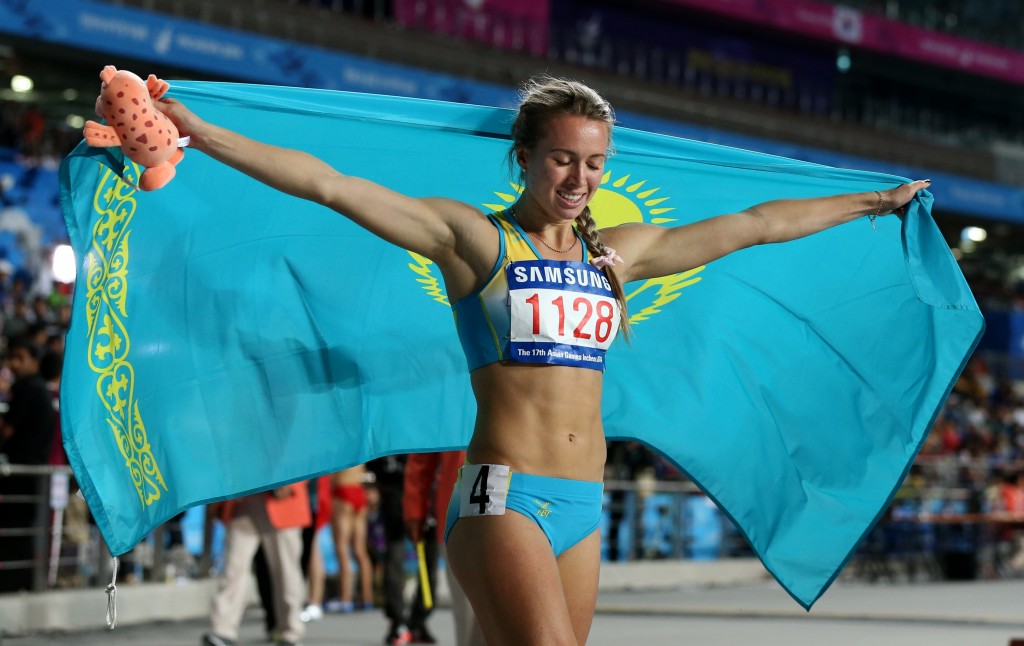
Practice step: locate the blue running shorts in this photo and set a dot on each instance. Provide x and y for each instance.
(567, 511)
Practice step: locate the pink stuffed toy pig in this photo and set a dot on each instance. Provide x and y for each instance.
(143, 133)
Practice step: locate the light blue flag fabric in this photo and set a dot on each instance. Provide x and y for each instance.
(227, 338)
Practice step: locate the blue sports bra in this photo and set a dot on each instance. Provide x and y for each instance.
(533, 310)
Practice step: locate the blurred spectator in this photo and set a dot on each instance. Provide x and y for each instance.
(42, 314)
(429, 481)
(1012, 501)
(389, 474)
(273, 521)
(50, 367)
(1012, 493)
(18, 320)
(625, 461)
(26, 434)
(33, 131)
(321, 508)
(349, 523)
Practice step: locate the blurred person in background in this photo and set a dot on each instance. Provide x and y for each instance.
(1012, 502)
(6, 270)
(50, 368)
(532, 575)
(429, 480)
(625, 461)
(42, 314)
(349, 524)
(26, 435)
(321, 507)
(389, 478)
(19, 320)
(272, 520)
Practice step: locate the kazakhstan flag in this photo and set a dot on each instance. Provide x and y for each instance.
(227, 338)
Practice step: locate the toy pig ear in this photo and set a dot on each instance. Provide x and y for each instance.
(108, 73)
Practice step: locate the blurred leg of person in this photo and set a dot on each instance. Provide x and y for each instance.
(343, 525)
(427, 495)
(243, 539)
(314, 610)
(419, 613)
(283, 548)
(350, 529)
(361, 553)
(321, 508)
(249, 528)
(175, 536)
(266, 590)
(394, 564)
(617, 512)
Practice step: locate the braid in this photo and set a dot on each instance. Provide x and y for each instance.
(587, 228)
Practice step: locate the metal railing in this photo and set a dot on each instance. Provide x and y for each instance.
(646, 519)
(42, 497)
(934, 530)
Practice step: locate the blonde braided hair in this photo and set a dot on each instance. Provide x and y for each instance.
(587, 228)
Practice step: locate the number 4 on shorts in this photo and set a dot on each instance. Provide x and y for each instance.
(486, 490)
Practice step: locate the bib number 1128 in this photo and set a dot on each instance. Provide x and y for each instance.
(583, 310)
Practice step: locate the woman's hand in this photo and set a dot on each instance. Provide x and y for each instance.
(895, 200)
(187, 123)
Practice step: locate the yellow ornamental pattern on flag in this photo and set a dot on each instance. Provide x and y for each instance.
(109, 342)
(620, 200)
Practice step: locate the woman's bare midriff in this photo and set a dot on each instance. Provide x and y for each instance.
(542, 420)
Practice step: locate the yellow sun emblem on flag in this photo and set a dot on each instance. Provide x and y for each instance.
(618, 201)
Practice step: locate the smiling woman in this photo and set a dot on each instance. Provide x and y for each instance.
(535, 287)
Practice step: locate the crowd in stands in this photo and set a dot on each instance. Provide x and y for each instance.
(33, 330)
(40, 320)
(27, 135)
(977, 440)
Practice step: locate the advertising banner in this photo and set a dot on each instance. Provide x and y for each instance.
(846, 25)
(520, 25)
(664, 48)
(185, 44)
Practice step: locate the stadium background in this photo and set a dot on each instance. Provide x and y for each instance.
(886, 85)
(920, 89)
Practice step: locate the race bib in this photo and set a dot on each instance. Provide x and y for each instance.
(562, 313)
(483, 489)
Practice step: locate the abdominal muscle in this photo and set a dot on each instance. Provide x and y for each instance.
(541, 420)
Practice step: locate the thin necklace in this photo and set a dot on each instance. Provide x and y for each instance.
(575, 239)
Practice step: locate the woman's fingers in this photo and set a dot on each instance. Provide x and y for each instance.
(901, 195)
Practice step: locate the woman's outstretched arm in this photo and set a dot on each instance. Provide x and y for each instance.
(651, 251)
(426, 226)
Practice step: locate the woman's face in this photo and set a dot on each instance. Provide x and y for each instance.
(563, 171)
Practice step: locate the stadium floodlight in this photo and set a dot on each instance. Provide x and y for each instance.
(974, 234)
(64, 270)
(75, 121)
(21, 83)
